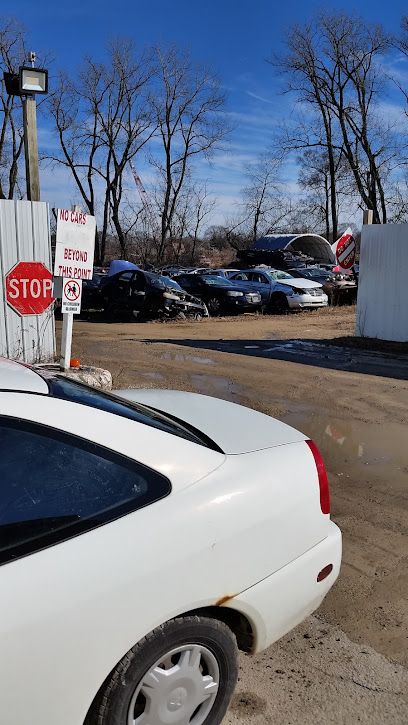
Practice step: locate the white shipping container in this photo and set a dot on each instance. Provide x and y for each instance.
(382, 310)
(25, 237)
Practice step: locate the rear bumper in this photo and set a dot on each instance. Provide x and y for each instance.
(281, 601)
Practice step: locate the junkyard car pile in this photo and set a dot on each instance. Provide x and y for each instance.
(197, 292)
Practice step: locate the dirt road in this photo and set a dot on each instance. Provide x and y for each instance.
(348, 663)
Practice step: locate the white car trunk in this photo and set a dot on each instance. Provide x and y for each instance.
(232, 427)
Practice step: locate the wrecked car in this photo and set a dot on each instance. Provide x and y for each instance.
(148, 296)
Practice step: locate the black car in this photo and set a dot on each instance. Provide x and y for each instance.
(91, 292)
(219, 294)
(147, 296)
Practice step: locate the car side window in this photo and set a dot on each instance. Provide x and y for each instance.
(55, 486)
(184, 282)
(256, 277)
(241, 277)
(138, 281)
(125, 276)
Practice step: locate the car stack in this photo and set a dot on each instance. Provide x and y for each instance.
(179, 292)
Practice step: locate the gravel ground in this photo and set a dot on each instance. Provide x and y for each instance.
(348, 663)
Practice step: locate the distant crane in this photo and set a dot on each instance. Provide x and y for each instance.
(144, 197)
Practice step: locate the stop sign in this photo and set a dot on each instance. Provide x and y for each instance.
(346, 250)
(29, 288)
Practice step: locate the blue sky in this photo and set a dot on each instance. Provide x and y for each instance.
(235, 37)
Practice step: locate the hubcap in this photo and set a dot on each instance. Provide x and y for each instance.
(180, 689)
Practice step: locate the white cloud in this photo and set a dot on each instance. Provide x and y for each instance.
(393, 114)
(260, 98)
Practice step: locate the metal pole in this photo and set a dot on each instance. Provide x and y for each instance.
(31, 148)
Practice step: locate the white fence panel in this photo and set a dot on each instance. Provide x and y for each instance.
(382, 310)
(25, 237)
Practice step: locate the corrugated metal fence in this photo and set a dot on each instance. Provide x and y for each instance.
(25, 236)
(382, 310)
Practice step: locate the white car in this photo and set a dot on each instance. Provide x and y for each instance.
(281, 291)
(143, 539)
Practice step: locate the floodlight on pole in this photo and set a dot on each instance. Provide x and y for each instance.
(27, 83)
(33, 80)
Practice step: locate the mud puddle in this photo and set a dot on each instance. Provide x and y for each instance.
(179, 357)
(216, 385)
(350, 443)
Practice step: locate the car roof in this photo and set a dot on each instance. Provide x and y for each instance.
(16, 376)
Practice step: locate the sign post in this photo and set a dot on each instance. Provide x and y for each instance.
(74, 257)
(66, 340)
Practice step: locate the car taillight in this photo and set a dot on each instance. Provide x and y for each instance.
(322, 476)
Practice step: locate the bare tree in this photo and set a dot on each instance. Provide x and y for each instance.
(356, 81)
(77, 130)
(314, 180)
(102, 123)
(315, 128)
(203, 206)
(266, 201)
(401, 43)
(187, 103)
(12, 54)
(334, 67)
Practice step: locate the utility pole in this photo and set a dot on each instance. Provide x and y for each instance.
(31, 148)
(26, 84)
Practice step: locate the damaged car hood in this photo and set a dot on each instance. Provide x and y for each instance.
(300, 283)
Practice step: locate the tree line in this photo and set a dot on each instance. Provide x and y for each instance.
(160, 110)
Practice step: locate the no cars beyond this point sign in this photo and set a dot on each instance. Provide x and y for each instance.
(29, 288)
(75, 244)
(345, 250)
(71, 296)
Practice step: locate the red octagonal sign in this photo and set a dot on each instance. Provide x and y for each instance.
(29, 288)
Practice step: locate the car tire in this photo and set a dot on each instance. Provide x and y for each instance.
(111, 311)
(279, 304)
(214, 306)
(201, 651)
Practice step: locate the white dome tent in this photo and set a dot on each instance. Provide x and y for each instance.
(312, 245)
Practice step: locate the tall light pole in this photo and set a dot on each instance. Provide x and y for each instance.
(27, 83)
(31, 148)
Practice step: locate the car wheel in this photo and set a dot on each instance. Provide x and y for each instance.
(137, 316)
(279, 304)
(112, 311)
(214, 306)
(183, 672)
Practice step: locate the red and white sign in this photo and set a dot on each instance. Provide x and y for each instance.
(75, 244)
(345, 250)
(29, 288)
(71, 296)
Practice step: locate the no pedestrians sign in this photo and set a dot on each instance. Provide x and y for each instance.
(71, 296)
